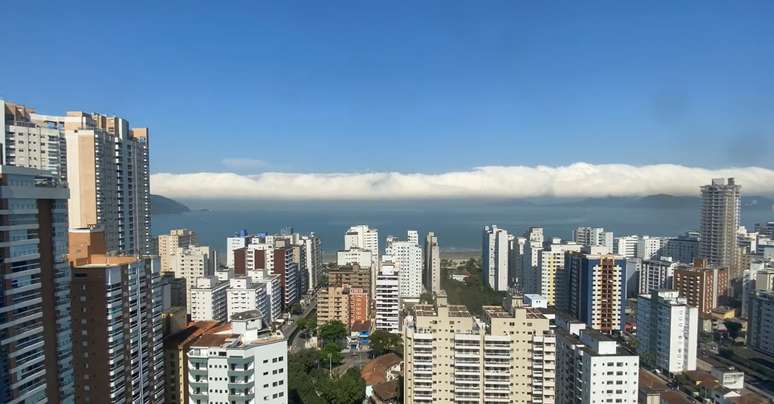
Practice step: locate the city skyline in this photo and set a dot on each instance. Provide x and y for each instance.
(418, 89)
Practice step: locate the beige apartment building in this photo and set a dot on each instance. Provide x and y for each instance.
(342, 303)
(508, 356)
(170, 243)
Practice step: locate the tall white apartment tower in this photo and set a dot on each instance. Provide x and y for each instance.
(667, 331)
(494, 259)
(594, 236)
(361, 236)
(432, 270)
(592, 368)
(721, 202)
(387, 297)
(208, 299)
(407, 255)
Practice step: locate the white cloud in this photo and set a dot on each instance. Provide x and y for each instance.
(243, 164)
(575, 180)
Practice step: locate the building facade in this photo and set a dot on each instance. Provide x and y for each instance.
(35, 330)
(704, 287)
(451, 356)
(597, 290)
(169, 244)
(432, 270)
(209, 299)
(116, 313)
(721, 204)
(387, 297)
(243, 363)
(667, 331)
(494, 259)
(407, 255)
(760, 330)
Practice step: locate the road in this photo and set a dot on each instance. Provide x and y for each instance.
(289, 328)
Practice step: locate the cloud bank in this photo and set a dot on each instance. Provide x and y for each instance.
(575, 180)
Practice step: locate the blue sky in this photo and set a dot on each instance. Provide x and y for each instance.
(431, 87)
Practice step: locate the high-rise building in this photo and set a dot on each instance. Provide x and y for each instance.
(116, 307)
(359, 256)
(32, 140)
(342, 303)
(432, 269)
(108, 175)
(683, 248)
(760, 329)
(451, 356)
(597, 290)
(656, 275)
(353, 275)
(191, 263)
(407, 255)
(759, 275)
(234, 242)
(170, 243)
(244, 295)
(551, 268)
(765, 229)
(592, 368)
(667, 331)
(241, 363)
(35, 334)
(208, 299)
(494, 260)
(313, 261)
(529, 275)
(721, 203)
(626, 246)
(287, 269)
(363, 237)
(649, 247)
(594, 236)
(333, 305)
(387, 297)
(704, 287)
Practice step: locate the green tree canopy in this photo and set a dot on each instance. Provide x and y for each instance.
(382, 342)
(331, 352)
(333, 331)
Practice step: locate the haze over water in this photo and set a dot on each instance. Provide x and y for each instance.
(457, 223)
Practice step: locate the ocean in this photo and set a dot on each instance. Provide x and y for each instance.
(456, 223)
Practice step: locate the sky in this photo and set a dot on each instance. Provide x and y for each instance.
(426, 88)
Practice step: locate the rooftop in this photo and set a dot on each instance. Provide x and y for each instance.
(675, 397)
(375, 371)
(188, 334)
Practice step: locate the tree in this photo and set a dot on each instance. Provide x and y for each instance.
(347, 389)
(333, 331)
(733, 328)
(296, 309)
(426, 298)
(382, 342)
(331, 355)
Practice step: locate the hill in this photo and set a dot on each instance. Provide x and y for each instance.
(164, 206)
